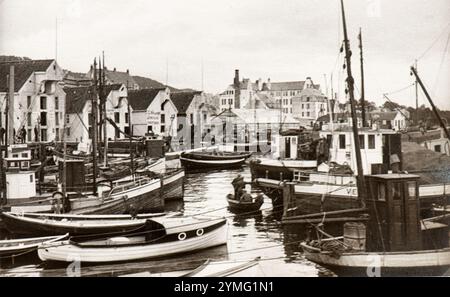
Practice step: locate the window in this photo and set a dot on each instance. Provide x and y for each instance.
(412, 190)
(127, 118)
(163, 118)
(342, 144)
(57, 118)
(192, 118)
(43, 118)
(230, 101)
(307, 106)
(437, 148)
(308, 113)
(205, 116)
(163, 128)
(68, 131)
(371, 141)
(162, 105)
(28, 102)
(361, 142)
(303, 114)
(29, 119)
(303, 106)
(117, 133)
(57, 134)
(330, 141)
(31, 178)
(29, 135)
(117, 117)
(43, 134)
(381, 191)
(397, 190)
(90, 132)
(56, 103)
(43, 102)
(127, 130)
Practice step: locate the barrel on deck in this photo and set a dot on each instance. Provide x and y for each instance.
(355, 235)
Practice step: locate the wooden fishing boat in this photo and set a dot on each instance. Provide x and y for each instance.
(211, 160)
(16, 247)
(240, 206)
(394, 241)
(158, 238)
(51, 224)
(408, 263)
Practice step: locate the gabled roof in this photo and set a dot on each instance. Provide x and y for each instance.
(114, 87)
(182, 100)
(76, 98)
(141, 99)
(119, 77)
(289, 85)
(22, 71)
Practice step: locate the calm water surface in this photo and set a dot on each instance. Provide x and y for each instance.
(249, 236)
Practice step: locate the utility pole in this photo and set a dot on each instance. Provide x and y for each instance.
(94, 129)
(350, 84)
(363, 105)
(436, 112)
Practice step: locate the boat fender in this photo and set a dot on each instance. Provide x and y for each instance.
(200, 232)
(182, 236)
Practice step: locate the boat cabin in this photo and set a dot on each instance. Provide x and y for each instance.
(395, 223)
(377, 146)
(20, 179)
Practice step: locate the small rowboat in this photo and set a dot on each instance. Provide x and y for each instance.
(158, 238)
(226, 269)
(204, 160)
(51, 224)
(16, 247)
(240, 206)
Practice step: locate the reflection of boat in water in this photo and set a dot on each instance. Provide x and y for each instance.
(158, 238)
(236, 205)
(17, 247)
(213, 160)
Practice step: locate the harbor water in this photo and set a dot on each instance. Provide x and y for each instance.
(252, 235)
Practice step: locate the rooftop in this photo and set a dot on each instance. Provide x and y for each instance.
(182, 100)
(22, 71)
(141, 99)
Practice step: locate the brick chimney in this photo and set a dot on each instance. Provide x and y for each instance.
(269, 85)
(237, 90)
(128, 71)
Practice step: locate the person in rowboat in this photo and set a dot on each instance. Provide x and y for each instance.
(246, 197)
(238, 185)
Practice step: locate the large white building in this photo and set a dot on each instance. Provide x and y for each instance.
(39, 100)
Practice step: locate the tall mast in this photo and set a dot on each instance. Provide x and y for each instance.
(350, 86)
(105, 136)
(436, 113)
(130, 135)
(363, 104)
(417, 96)
(10, 104)
(94, 129)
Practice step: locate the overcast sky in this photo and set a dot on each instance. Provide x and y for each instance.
(284, 40)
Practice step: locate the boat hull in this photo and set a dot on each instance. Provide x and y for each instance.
(197, 165)
(414, 263)
(34, 226)
(173, 185)
(169, 245)
(279, 170)
(17, 247)
(241, 207)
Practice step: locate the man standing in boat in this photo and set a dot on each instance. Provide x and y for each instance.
(238, 185)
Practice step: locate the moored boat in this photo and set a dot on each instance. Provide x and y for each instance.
(158, 238)
(226, 269)
(213, 160)
(17, 247)
(51, 224)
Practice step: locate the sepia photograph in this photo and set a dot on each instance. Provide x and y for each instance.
(252, 139)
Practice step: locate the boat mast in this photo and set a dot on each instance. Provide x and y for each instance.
(436, 112)
(417, 96)
(103, 105)
(130, 135)
(363, 105)
(350, 86)
(94, 129)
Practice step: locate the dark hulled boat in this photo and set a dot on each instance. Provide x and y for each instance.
(213, 160)
(241, 206)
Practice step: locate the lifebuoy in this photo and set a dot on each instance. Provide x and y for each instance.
(182, 236)
(199, 232)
